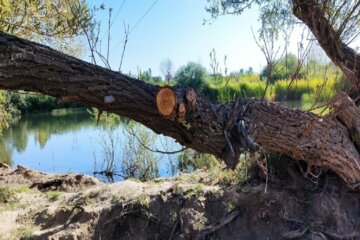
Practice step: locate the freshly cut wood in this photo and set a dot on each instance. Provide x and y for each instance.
(166, 101)
(181, 112)
(182, 108)
(191, 98)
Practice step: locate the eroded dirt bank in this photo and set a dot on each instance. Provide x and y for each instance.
(203, 205)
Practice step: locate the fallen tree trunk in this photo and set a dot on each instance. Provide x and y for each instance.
(224, 130)
(349, 114)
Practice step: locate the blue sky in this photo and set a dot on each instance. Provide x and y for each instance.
(174, 29)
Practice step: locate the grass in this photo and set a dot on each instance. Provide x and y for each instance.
(24, 233)
(190, 160)
(53, 196)
(230, 207)
(8, 200)
(6, 195)
(309, 89)
(305, 89)
(216, 173)
(66, 111)
(22, 189)
(143, 201)
(195, 191)
(117, 198)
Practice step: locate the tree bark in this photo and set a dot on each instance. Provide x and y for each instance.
(224, 130)
(349, 115)
(310, 12)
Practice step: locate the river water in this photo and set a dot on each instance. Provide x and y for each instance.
(73, 143)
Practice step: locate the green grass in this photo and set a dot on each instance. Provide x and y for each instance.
(24, 233)
(66, 111)
(8, 200)
(117, 198)
(53, 195)
(195, 191)
(310, 89)
(6, 195)
(143, 200)
(305, 89)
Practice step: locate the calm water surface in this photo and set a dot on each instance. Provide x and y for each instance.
(70, 144)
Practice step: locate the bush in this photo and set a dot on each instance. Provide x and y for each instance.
(191, 75)
(234, 88)
(284, 68)
(35, 103)
(190, 160)
(6, 195)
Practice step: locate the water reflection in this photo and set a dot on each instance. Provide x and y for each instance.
(42, 127)
(62, 143)
(5, 153)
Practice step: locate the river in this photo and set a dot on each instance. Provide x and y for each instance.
(73, 143)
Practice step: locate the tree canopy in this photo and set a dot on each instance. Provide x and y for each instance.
(34, 18)
(284, 67)
(276, 14)
(191, 75)
(55, 23)
(334, 24)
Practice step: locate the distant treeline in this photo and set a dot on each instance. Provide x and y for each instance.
(314, 82)
(31, 102)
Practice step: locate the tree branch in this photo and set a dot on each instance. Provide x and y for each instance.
(312, 14)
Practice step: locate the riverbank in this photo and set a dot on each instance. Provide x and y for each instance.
(200, 205)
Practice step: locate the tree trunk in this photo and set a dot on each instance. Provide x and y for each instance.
(310, 12)
(222, 130)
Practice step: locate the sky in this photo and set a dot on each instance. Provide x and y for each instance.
(174, 29)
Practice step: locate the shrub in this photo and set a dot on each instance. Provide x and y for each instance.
(190, 160)
(35, 103)
(53, 195)
(6, 195)
(191, 75)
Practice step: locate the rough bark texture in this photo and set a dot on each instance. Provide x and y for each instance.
(222, 130)
(310, 12)
(349, 114)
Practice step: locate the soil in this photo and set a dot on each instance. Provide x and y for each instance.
(191, 206)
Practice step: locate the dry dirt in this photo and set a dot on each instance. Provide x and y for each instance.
(193, 206)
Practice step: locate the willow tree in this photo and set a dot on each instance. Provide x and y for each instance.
(54, 23)
(334, 24)
(224, 130)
